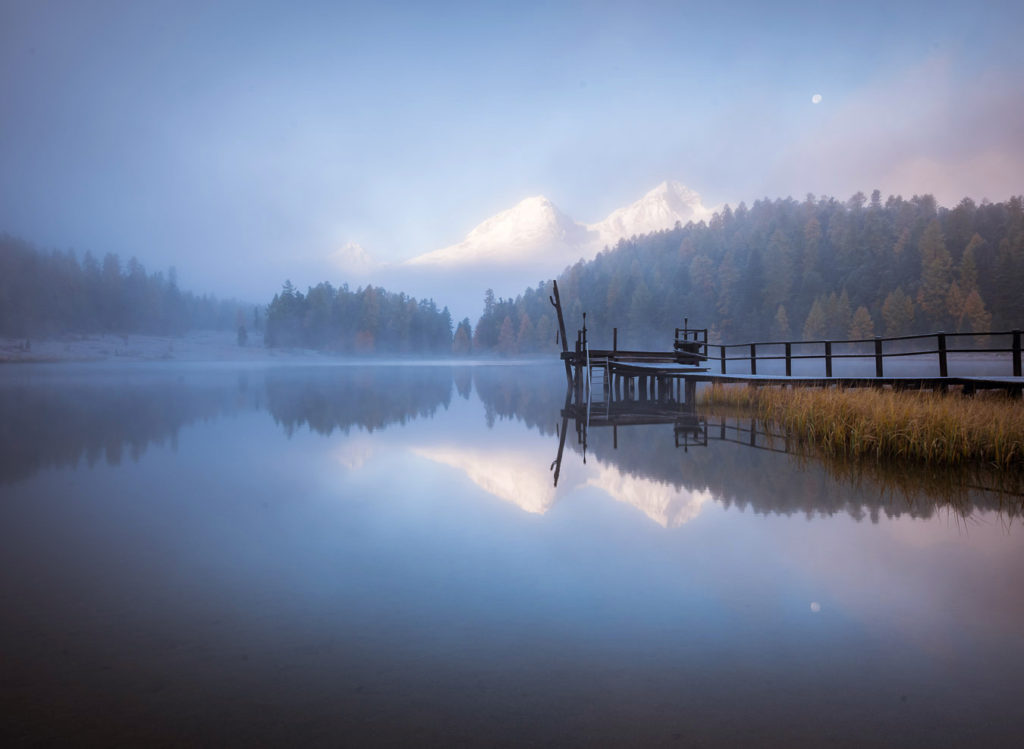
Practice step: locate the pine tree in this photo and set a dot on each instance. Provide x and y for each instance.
(639, 317)
(545, 333)
(936, 274)
(780, 272)
(955, 306)
(462, 342)
(1009, 280)
(780, 327)
(837, 314)
(898, 313)
(506, 338)
(977, 318)
(524, 339)
(814, 326)
(862, 326)
(968, 265)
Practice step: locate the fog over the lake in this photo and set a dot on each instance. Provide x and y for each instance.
(246, 143)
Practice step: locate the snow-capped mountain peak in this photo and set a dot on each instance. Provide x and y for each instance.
(352, 259)
(659, 209)
(535, 232)
(532, 229)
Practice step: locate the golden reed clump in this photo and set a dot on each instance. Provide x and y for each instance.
(924, 427)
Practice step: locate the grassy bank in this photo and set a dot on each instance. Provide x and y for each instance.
(923, 427)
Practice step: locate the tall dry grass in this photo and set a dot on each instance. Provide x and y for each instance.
(923, 427)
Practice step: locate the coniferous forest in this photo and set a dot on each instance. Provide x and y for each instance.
(51, 293)
(369, 320)
(787, 269)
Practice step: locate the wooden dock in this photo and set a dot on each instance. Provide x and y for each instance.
(616, 374)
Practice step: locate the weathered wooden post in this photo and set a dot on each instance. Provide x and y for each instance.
(753, 358)
(721, 349)
(556, 302)
(828, 358)
(789, 359)
(615, 340)
(943, 366)
(1016, 353)
(557, 465)
(878, 356)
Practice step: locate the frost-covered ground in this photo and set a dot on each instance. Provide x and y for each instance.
(214, 345)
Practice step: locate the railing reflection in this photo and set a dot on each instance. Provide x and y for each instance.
(791, 476)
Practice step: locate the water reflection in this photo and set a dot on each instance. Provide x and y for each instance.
(641, 452)
(369, 398)
(659, 456)
(371, 556)
(59, 418)
(511, 475)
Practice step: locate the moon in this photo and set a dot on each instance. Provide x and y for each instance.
(816, 99)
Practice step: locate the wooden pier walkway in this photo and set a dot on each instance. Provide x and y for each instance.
(613, 374)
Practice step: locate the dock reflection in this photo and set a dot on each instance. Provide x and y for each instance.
(745, 461)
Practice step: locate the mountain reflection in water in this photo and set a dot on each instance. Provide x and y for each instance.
(641, 450)
(380, 556)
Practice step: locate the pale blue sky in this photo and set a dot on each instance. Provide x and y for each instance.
(244, 142)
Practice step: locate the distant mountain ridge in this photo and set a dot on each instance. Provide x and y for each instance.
(536, 231)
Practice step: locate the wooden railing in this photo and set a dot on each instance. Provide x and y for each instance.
(871, 348)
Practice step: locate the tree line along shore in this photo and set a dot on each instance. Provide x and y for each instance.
(778, 269)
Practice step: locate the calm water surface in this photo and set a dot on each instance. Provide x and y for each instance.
(373, 556)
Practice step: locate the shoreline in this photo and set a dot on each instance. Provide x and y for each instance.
(206, 346)
(212, 345)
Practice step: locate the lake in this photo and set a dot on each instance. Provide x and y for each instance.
(374, 555)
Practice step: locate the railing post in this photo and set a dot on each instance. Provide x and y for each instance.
(753, 358)
(943, 364)
(721, 349)
(1016, 354)
(789, 359)
(878, 356)
(828, 358)
(615, 339)
(578, 370)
